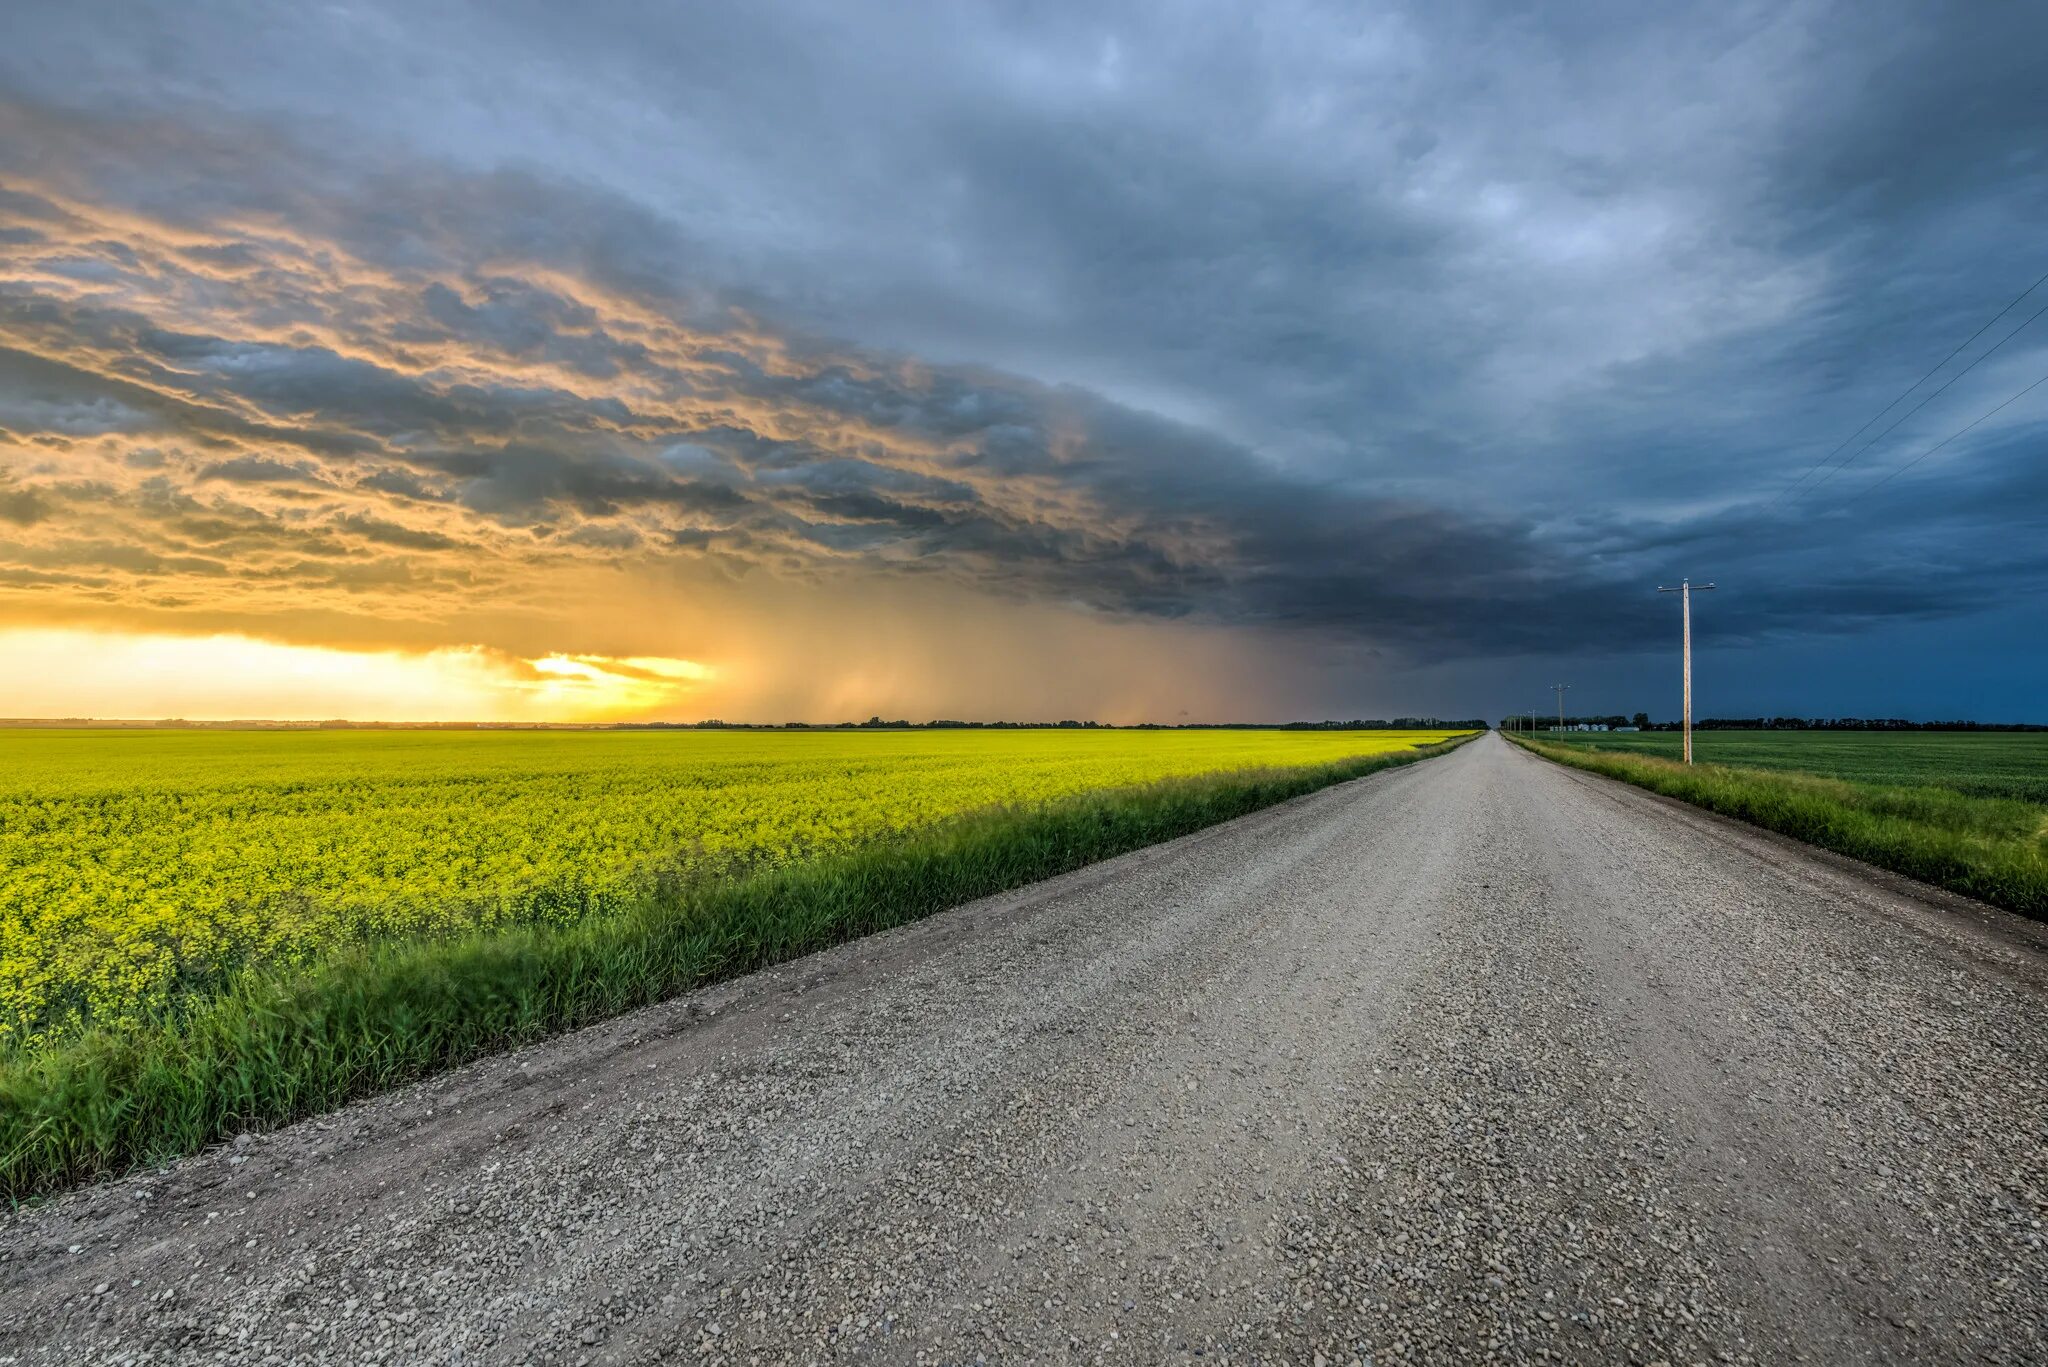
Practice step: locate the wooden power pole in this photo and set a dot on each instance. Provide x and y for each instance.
(1684, 592)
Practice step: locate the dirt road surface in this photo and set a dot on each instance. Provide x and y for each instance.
(1477, 1059)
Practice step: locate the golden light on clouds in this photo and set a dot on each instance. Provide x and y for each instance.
(68, 673)
(269, 461)
(574, 685)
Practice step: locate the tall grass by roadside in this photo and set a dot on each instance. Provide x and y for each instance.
(1993, 849)
(271, 1047)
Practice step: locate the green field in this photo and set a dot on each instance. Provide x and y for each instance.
(210, 930)
(1964, 811)
(1979, 763)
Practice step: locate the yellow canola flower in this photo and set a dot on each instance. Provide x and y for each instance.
(139, 865)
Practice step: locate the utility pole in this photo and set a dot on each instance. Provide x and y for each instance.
(1684, 592)
(1559, 690)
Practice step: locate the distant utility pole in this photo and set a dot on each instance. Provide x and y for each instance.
(1559, 690)
(1684, 592)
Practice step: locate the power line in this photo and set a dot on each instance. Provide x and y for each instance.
(1794, 487)
(1871, 488)
(1980, 358)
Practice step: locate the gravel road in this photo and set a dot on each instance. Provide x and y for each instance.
(1477, 1059)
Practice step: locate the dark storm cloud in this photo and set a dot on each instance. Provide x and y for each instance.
(1449, 328)
(400, 484)
(392, 534)
(23, 507)
(257, 470)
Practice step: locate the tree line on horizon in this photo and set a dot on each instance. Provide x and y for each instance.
(1641, 721)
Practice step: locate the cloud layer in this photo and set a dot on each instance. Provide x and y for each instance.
(1345, 347)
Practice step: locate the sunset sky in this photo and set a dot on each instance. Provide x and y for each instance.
(772, 361)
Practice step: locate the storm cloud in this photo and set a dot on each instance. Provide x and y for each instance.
(1430, 337)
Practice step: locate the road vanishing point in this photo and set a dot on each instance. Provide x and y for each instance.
(1482, 1059)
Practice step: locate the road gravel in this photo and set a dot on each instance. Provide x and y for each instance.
(1482, 1059)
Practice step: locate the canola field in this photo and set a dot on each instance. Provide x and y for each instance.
(140, 866)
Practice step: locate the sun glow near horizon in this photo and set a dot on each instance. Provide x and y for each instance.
(64, 672)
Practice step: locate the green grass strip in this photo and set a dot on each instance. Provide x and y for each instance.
(272, 1047)
(1993, 849)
